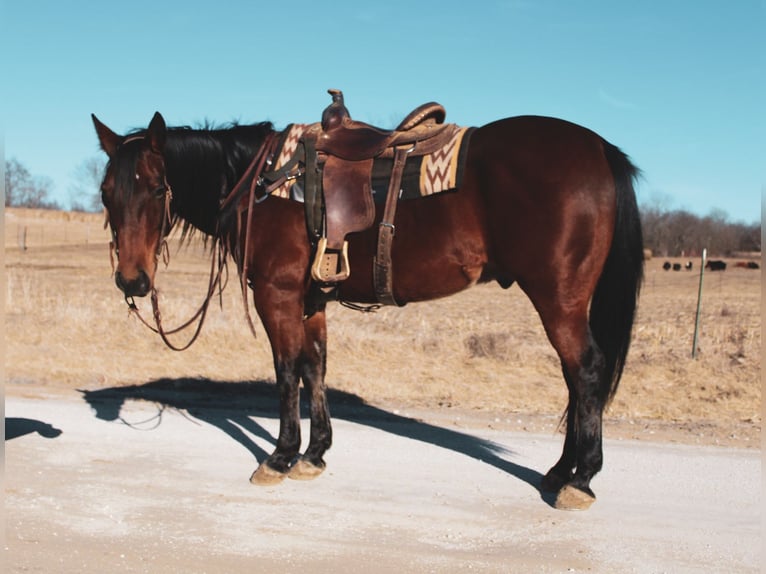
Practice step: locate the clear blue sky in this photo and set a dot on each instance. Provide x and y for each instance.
(678, 85)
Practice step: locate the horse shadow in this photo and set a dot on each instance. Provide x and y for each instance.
(17, 426)
(231, 406)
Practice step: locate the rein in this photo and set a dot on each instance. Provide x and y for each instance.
(216, 272)
(164, 251)
(254, 171)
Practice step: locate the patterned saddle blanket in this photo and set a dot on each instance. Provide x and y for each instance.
(437, 172)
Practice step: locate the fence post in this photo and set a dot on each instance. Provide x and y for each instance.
(699, 304)
(21, 237)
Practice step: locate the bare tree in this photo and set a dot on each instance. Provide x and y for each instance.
(22, 189)
(749, 237)
(84, 194)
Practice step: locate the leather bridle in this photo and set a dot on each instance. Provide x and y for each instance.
(163, 251)
(218, 263)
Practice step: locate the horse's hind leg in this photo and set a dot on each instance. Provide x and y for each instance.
(582, 456)
(563, 471)
(583, 367)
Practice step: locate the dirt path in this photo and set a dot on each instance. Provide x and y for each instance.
(170, 493)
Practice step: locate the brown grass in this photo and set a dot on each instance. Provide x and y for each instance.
(480, 353)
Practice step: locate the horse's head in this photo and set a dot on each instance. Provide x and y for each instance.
(137, 199)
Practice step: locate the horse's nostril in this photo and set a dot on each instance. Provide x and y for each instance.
(118, 279)
(143, 283)
(137, 287)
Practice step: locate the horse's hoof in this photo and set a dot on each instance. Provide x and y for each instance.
(305, 470)
(264, 475)
(572, 498)
(552, 482)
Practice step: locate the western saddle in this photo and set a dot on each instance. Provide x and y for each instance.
(339, 154)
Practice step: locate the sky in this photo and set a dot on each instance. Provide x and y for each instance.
(677, 85)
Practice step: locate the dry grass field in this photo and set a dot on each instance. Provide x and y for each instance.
(481, 353)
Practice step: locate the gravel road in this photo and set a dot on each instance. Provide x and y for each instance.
(100, 483)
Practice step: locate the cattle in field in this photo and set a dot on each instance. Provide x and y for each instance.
(716, 265)
(688, 265)
(676, 267)
(747, 265)
(667, 265)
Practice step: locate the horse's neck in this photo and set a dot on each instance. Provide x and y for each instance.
(201, 176)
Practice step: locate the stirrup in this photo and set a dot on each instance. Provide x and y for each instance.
(330, 266)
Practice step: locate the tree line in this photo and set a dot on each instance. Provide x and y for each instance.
(667, 233)
(680, 233)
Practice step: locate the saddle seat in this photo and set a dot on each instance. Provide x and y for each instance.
(354, 140)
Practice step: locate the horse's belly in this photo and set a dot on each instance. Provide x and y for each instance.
(424, 265)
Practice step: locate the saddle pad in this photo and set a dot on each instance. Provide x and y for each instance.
(423, 175)
(291, 137)
(427, 174)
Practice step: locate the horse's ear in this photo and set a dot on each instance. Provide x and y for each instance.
(156, 133)
(109, 140)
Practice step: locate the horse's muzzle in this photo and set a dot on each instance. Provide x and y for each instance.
(138, 287)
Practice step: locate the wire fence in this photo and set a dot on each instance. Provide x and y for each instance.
(30, 229)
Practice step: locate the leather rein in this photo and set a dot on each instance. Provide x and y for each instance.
(218, 259)
(216, 272)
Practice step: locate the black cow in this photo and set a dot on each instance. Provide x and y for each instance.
(716, 265)
(666, 266)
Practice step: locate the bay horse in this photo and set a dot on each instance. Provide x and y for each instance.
(544, 203)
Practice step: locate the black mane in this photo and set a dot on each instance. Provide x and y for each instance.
(204, 164)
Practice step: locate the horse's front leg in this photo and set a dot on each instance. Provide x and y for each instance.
(275, 468)
(313, 370)
(281, 313)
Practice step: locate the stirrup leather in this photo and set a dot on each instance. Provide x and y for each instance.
(330, 266)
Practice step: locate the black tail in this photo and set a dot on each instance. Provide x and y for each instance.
(613, 308)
